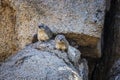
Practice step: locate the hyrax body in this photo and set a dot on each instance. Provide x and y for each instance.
(61, 43)
(44, 33)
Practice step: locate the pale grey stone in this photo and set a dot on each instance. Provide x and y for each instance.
(40, 61)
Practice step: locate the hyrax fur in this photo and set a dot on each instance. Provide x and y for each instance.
(61, 43)
(44, 33)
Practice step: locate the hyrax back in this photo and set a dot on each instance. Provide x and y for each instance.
(44, 33)
(61, 43)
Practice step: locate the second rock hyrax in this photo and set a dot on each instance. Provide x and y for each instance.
(44, 33)
(61, 43)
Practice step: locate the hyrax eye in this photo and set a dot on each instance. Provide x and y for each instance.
(60, 39)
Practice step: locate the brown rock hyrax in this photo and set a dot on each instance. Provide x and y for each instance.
(44, 33)
(61, 43)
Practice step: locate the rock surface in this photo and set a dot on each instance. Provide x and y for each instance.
(74, 55)
(7, 30)
(114, 73)
(42, 61)
(80, 20)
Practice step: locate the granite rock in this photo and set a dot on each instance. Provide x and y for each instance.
(42, 61)
(79, 20)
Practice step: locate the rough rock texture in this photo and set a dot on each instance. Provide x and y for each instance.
(111, 48)
(7, 30)
(114, 73)
(73, 54)
(80, 20)
(42, 61)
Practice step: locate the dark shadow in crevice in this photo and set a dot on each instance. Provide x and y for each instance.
(101, 67)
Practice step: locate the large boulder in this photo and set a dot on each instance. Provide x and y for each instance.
(41, 61)
(79, 20)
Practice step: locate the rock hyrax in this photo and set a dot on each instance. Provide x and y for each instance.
(61, 43)
(44, 33)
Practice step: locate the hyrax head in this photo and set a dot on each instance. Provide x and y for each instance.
(60, 38)
(42, 26)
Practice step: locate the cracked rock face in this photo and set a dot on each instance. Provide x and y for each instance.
(41, 61)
